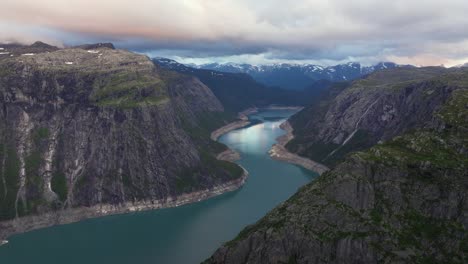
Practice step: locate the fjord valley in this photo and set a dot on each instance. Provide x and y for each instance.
(91, 130)
(397, 144)
(233, 131)
(184, 234)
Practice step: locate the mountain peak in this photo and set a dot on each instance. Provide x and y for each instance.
(96, 46)
(40, 44)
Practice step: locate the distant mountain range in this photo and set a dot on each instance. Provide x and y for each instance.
(238, 91)
(296, 76)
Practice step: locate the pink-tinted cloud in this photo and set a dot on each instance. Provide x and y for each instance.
(429, 30)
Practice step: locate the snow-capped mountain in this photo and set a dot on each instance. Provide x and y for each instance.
(299, 76)
(288, 76)
(238, 91)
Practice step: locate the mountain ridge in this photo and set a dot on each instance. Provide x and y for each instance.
(300, 76)
(239, 91)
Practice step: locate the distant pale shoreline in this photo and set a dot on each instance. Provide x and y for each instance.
(244, 119)
(279, 152)
(242, 122)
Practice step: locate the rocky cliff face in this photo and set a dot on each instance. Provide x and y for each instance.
(81, 128)
(402, 201)
(377, 108)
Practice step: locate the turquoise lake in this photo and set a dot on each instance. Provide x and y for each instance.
(186, 234)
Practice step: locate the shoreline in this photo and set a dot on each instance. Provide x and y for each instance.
(244, 119)
(242, 122)
(73, 215)
(229, 155)
(279, 152)
(274, 107)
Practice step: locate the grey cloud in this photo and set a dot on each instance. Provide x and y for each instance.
(423, 31)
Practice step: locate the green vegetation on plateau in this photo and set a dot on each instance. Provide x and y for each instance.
(129, 89)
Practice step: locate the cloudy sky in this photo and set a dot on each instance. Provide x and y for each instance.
(420, 32)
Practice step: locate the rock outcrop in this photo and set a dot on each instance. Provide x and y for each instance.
(90, 128)
(402, 201)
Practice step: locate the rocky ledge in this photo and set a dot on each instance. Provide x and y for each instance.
(279, 152)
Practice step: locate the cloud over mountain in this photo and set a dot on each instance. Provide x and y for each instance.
(426, 32)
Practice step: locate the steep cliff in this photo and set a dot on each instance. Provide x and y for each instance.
(402, 201)
(378, 107)
(102, 127)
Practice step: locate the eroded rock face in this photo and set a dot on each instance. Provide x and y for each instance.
(377, 108)
(402, 201)
(83, 127)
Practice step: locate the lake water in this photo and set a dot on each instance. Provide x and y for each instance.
(186, 234)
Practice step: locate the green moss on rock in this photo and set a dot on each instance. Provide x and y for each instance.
(59, 185)
(128, 90)
(7, 201)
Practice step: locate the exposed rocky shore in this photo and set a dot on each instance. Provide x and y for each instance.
(67, 216)
(279, 152)
(243, 120)
(278, 107)
(229, 155)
